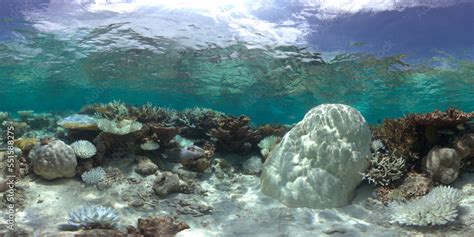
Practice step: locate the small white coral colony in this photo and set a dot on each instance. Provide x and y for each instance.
(84, 149)
(267, 144)
(93, 176)
(150, 146)
(437, 208)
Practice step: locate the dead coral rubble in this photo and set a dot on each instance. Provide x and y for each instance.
(158, 227)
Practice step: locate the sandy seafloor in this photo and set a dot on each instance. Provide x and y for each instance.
(238, 207)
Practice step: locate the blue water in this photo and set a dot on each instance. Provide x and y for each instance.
(271, 60)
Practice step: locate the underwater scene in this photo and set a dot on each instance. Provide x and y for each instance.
(278, 118)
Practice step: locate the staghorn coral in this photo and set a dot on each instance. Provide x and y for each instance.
(385, 169)
(152, 114)
(437, 208)
(84, 149)
(94, 217)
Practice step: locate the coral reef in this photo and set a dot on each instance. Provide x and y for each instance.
(385, 169)
(94, 217)
(93, 176)
(84, 149)
(437, 208)
(53, 159)
(318, 162)
(415, 134)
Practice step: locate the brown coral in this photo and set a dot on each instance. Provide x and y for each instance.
(158, 227)
(163, 134)
(273, 130)
(414, 135)
(234, 134)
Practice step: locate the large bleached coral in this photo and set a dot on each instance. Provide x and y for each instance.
(437, 208)
(53, 159)
(318, 162)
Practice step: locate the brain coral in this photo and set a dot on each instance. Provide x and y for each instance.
(84, 149)
(318, 162)
(53, 160)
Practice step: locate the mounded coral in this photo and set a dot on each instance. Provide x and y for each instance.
(318, 163)
(442, 164)
(94, 217)
(53, 159)
(439, 207)
(84, 149)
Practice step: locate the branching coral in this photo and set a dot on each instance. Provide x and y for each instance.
(149, 113)
(437, 208)
(84, 149)
(94, 217)
(93, 176)
(235, 134)
(385, 169)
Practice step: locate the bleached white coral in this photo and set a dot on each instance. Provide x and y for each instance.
(121, 127)
(90, 217)
(150, 146)
(385, 169)
(437, 208)
(377, 145)
(93, 176)
(84, 149)
(267, 144)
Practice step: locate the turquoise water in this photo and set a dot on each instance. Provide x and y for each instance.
(59, 57)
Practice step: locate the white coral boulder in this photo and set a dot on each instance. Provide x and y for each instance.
(318, 163)
(53, 160)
